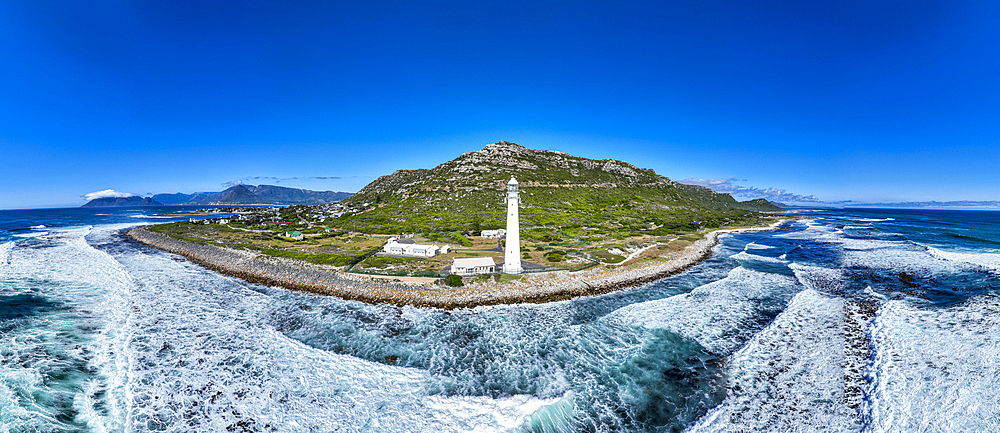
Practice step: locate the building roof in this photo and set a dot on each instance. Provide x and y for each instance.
(473, 262)
(512, 181)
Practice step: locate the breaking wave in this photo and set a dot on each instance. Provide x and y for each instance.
(744, 256)
(719, 315)
(987, 260)
(790, 376)
(934, 369)
(5, 249)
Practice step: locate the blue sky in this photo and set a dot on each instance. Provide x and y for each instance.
(867, 101)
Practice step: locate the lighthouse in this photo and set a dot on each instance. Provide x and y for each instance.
(512, 254)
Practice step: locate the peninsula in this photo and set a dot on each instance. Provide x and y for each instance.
(122, 202)
(586, 227)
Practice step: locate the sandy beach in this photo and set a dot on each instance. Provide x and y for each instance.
(543, 287)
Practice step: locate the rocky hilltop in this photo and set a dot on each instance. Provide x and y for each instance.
(559, 190)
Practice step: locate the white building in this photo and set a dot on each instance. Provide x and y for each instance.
(494, 234)
(512, 253)
(394, 247)
(422, 250)
(473, 266)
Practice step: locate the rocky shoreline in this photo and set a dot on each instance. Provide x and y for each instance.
(532, 288)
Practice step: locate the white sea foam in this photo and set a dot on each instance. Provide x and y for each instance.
(756, 246)
(151, 216)
(716, 314)
(790, 376)
(987, 260)
(13, 382)
(827, 280)
(908, 258)
(870, 244)
(935, 369)
(31, 234)
(809, 230)
(40, 226)
(744, 256)
(894, 255)
(87, 286)
(5, 249)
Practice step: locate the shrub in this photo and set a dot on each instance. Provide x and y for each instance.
(554, 256)
(453, 281)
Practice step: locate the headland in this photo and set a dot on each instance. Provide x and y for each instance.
(578, 226)
(530, 288)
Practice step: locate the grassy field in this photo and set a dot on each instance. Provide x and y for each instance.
(331, 250)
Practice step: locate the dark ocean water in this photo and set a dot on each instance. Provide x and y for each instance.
(857, 320)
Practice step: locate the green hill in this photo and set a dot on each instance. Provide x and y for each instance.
(558, 190)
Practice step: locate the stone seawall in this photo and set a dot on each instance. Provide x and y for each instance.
(531, 288)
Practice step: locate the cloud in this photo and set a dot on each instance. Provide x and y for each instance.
(728, 186)
(305, 178)
(107, 193)
(258, 179)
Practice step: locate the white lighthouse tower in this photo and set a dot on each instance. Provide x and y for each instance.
(512, 254)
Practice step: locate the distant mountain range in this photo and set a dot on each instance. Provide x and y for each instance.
(249, 194)
(932, 204)
(122, 201)
(965, 204)
(237, 195)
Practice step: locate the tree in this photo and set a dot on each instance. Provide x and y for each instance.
(476, 225)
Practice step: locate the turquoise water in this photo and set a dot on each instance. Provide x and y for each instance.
(858, 320)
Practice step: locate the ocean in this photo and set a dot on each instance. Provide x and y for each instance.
(854, 320)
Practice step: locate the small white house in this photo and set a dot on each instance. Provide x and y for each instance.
(413, 249)
(473, 266)
(393, 248)
(494, 234)
(423, 250)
